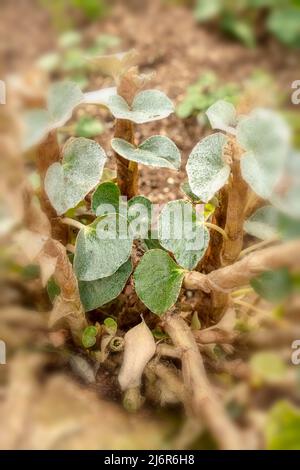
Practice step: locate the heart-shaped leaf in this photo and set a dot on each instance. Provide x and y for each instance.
(186, 189)
(94, 294)
(66, 184)
(183, 233)
(158, 151)
(63, 97)
(206, 169)
(158, 280)
(101, 96)
(265, 137)
(101, 248)
(106, 194)
(222, 115)
(147, 106)
(36, 126)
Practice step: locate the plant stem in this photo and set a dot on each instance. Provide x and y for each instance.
(240, 273)
(72, 223)
(200, 396)
(237, 200)
(127, 172)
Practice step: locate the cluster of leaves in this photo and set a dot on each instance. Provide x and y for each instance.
(241, 19)
(203, 93)
(102, 260)
(208, 89)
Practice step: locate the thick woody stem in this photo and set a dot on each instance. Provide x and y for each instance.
(49, 153)
(127, 172)
(237, 200)
(69, 293)
(200, 396)
(240, 273)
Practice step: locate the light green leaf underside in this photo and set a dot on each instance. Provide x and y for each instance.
(68, 183)
(156, 151)
(106, 194)
(263, 223)
(265, 138)
(206, 169)
(36, 126)
(96, 293)
(158, 281)
(268, 222)
(148, 105)
(63, 97)
(222, 115)
(101, 249)
(188, 238)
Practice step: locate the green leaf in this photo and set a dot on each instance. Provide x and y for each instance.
(139, 216)
(66, 184)
(89, 336)
(101, 248)
(274, 286)
(239, 29)
(283, 427)
(206, 169)
(96, 293)
(63, 97)
(183, 233)
(267, 367)
(107, 193)
(53, 289)
(222, 115)
(265, 138)
(186, 189)
(158, 151)
(88, 127)
(110, 325)
(36, 126)
(158, 281)
(147, 106)
(284, 24)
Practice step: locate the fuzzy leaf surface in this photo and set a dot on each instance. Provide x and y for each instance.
(158, 281)
(67, 183)
(206, 169)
